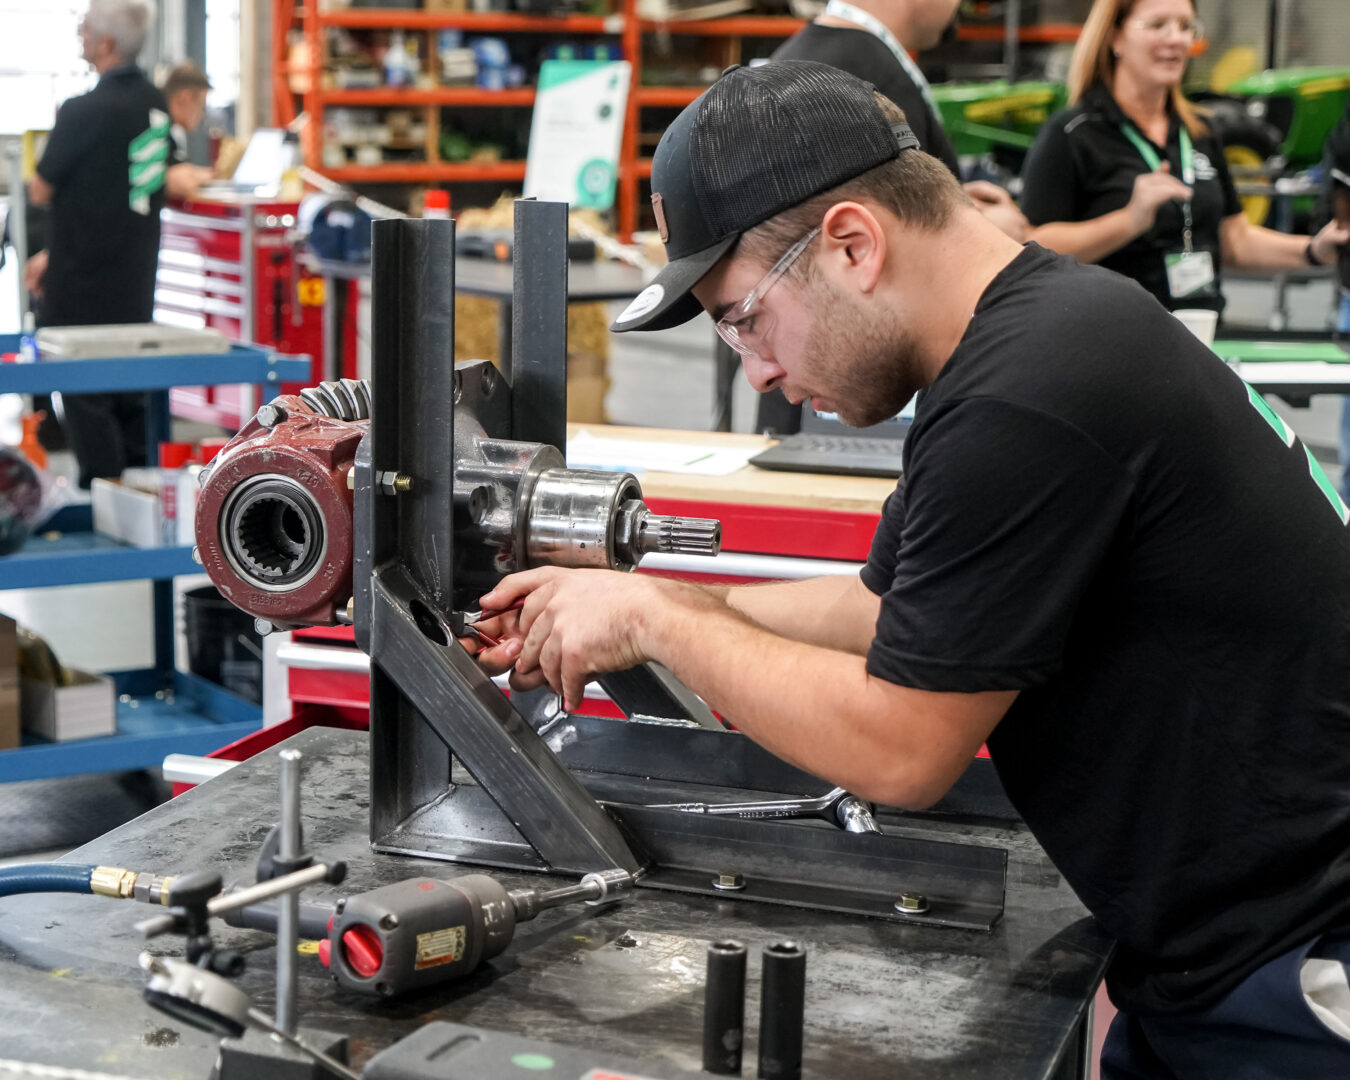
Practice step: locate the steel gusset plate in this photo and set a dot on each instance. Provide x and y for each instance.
(818, 867)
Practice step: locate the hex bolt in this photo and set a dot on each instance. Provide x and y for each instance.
(395, 483)
(341, 905)
(204, 476)
(912, 903)
(351, 478)
(196, 555)
(458, 382)
(389, 921)
(269, 416)
(489, 377)
(262, 627)
(729, 881)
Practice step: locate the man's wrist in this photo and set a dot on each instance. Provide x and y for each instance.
(1310, 254)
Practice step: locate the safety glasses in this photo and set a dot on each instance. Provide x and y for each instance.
(1158, 27)
(745, 327)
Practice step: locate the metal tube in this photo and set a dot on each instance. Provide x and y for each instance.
(724, 1008)
(239, 898)
(288, 921)
(782, 1004)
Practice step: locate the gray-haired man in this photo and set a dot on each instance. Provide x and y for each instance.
(103, 173)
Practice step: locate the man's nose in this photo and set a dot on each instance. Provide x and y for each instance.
(762, 374)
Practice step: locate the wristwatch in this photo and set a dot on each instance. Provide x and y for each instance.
(1310, 257)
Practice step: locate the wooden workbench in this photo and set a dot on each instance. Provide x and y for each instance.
(749, 486)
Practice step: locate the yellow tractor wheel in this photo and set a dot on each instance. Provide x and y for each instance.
(1256, 208)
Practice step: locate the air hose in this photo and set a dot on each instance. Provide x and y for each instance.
(99, 880)
(45, 877)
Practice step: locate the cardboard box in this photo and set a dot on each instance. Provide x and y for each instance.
(126, 513)
(84, 708)
(9, 684)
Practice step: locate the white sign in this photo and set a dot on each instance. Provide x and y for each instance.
(576, 131)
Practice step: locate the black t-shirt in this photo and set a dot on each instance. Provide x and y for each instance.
(866, 56)
(106, 160)
(1082, 166)
(1100, 514)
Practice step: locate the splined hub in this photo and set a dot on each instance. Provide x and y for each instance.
(273, 532)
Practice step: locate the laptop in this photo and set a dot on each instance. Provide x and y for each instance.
(826, 444)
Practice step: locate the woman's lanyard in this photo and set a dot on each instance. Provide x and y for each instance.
(866, 21)
(1150, 156)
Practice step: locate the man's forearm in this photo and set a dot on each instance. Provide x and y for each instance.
(837, 612)
(819, 709)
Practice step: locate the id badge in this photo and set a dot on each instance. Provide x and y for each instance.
(1189, 272)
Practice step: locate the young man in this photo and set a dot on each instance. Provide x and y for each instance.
(185, 90)
(1109, 561)
(103, 173)
(873, 39)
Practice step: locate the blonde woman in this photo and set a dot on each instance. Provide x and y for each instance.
(1131, 177)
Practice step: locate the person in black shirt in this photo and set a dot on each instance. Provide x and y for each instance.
(103, 173)
(868, 38)
(1109, 561)
(185, 89)
(1132, 178)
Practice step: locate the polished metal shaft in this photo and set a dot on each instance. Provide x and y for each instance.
(288, 921)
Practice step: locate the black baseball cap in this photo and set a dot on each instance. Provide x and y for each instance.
(758, 141)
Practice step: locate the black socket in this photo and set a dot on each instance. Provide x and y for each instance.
(782, 1003)
(724, 1009)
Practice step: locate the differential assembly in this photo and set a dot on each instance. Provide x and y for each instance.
(275, 520)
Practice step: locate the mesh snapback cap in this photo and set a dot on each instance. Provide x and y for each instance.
(758, 141)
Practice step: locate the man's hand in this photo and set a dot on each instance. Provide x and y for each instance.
(33, 271)
(998, 208)
(578, 623)
(39, 191)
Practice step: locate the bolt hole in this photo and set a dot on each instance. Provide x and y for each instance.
(428, 623)
(784, 948)
(727, 947)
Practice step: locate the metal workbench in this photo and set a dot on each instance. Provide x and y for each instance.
(883, 999)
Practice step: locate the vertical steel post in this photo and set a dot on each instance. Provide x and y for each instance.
(538, 372)
(411, 430)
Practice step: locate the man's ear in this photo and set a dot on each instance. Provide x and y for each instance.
(853, 244)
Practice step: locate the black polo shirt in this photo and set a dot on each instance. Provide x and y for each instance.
(1083, 166)
(106, 160)
(863, 54)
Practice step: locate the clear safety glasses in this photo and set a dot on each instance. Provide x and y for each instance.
(1158, 27)
(744, 326)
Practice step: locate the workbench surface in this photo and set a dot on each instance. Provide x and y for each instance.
(748, 486)
(883, 1000)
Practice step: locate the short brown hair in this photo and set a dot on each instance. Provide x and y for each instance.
(185, 77)
(916, 187)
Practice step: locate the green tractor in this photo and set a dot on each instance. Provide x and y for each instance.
(1274, 124)
(997, 119)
